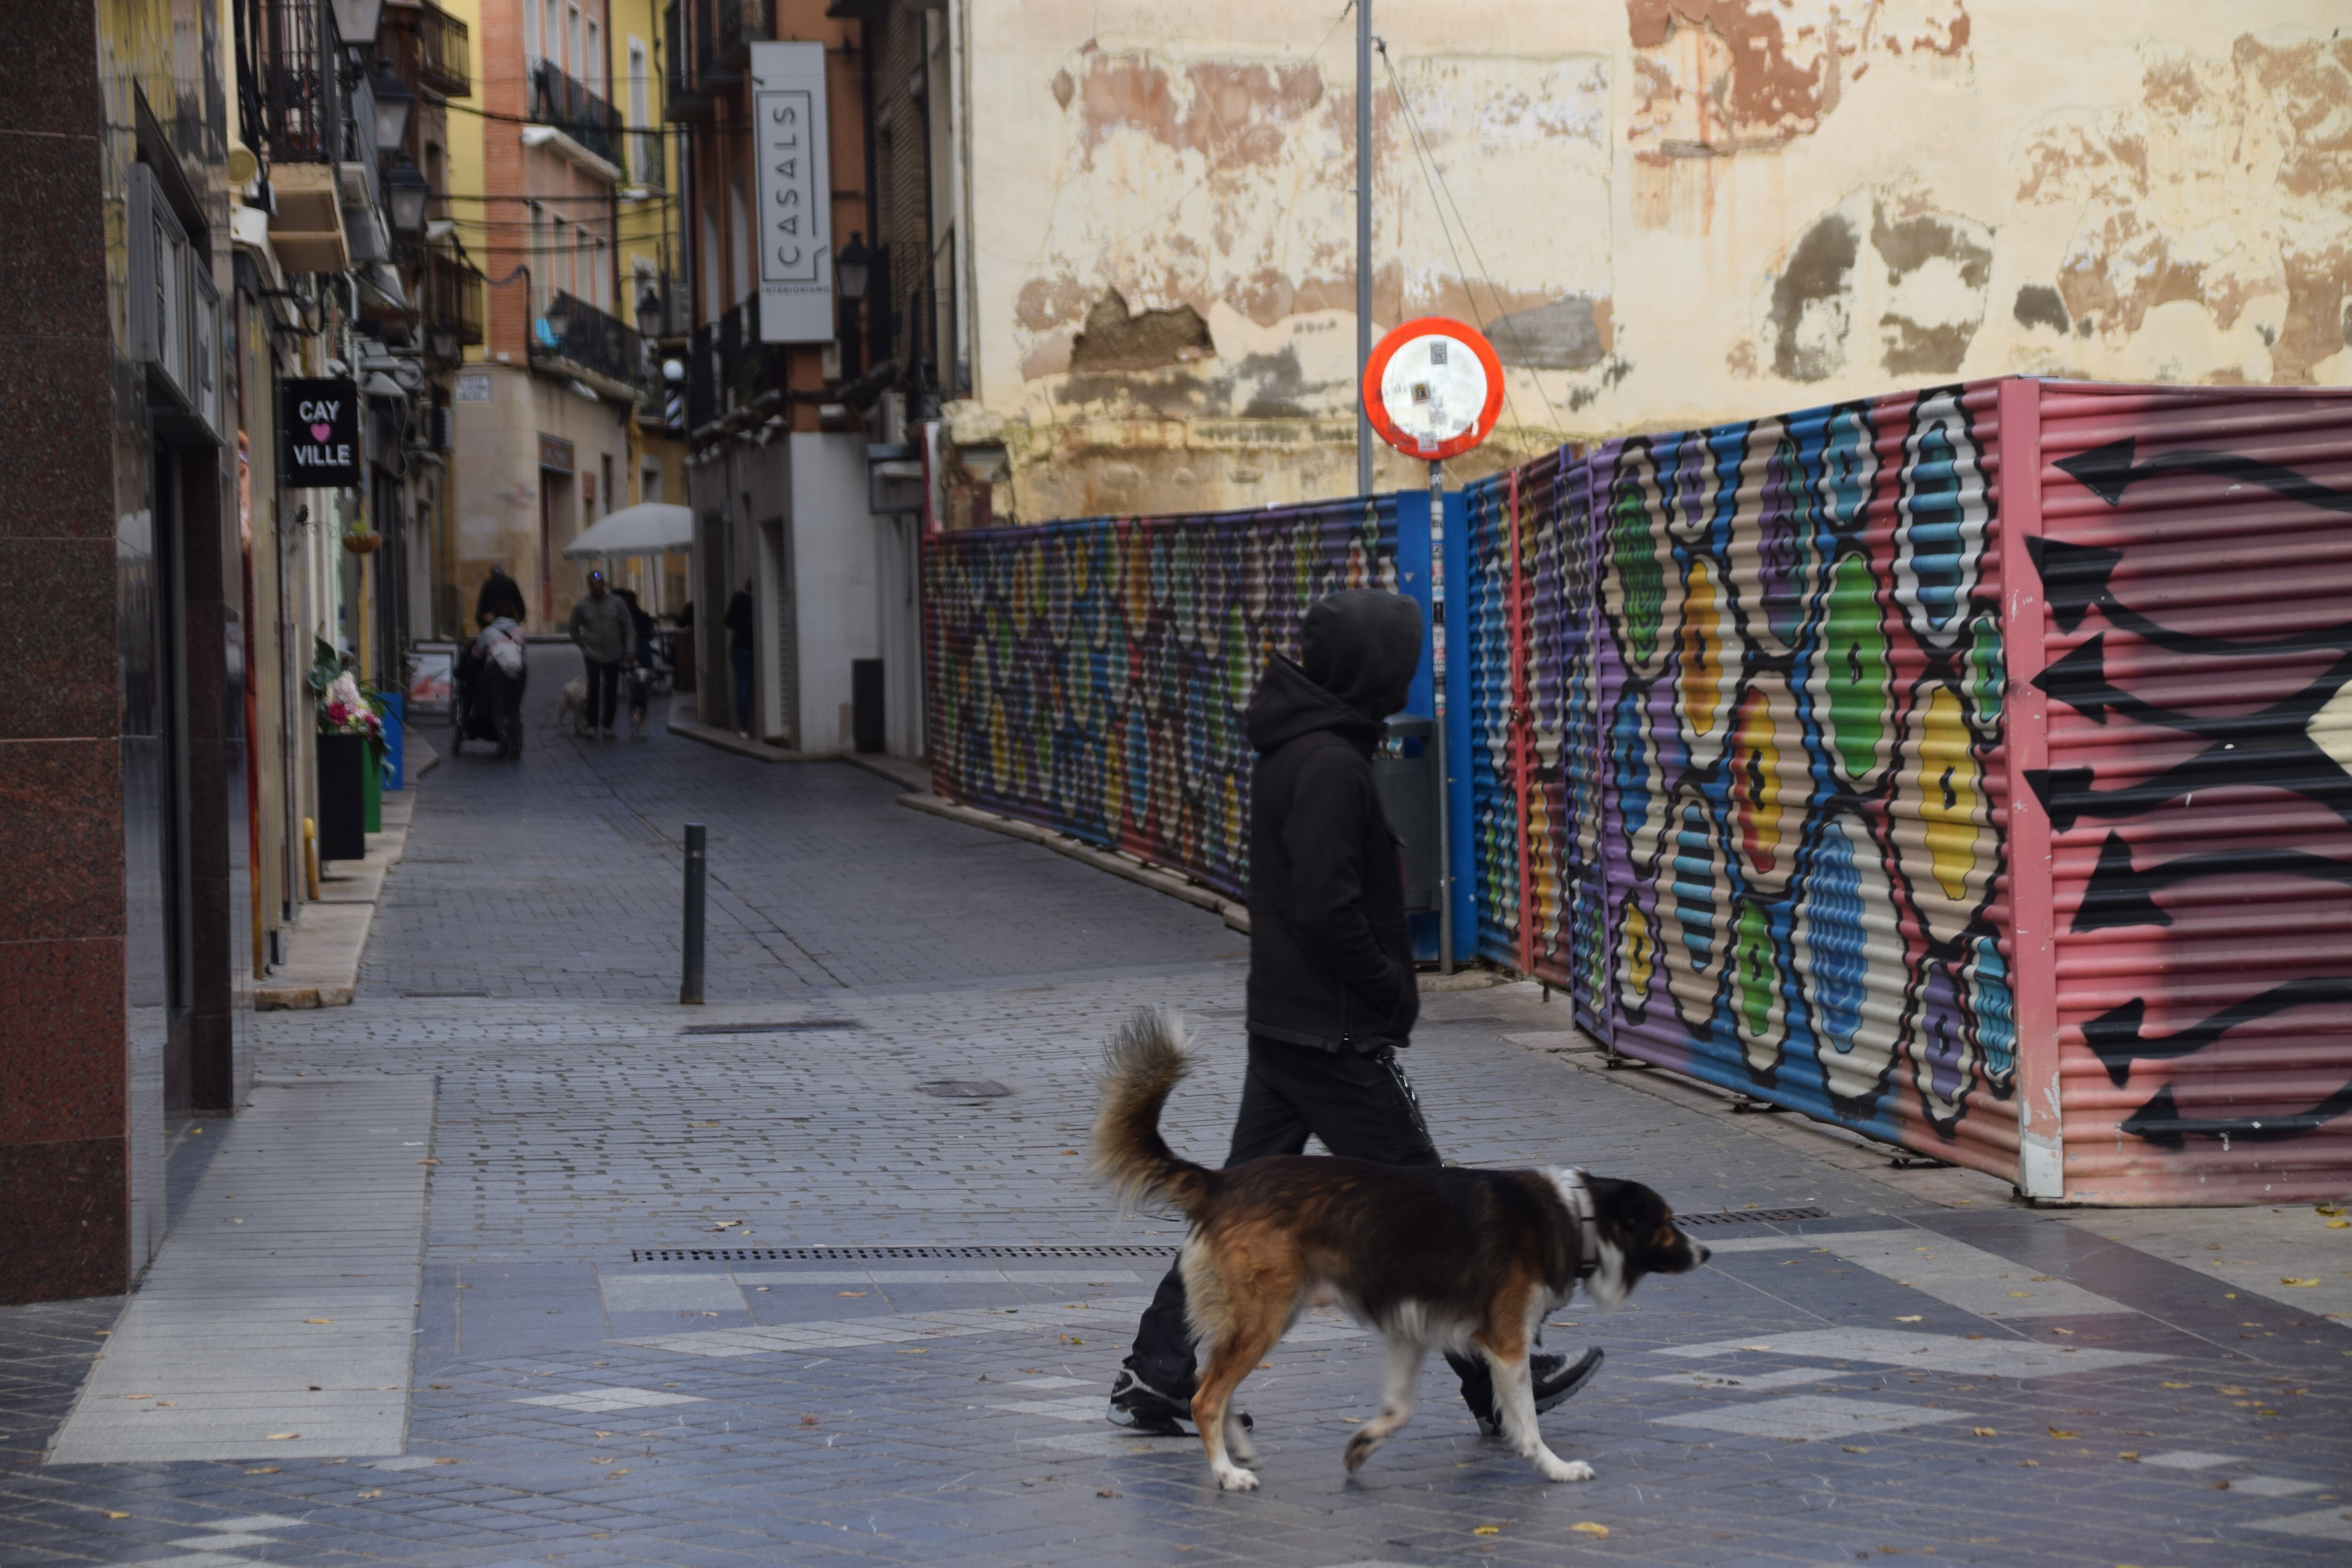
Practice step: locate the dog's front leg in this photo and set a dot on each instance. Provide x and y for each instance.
(1514, 1402)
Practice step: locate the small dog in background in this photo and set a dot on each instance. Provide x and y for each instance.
(1439, 1256)
(573, 702)
(640, 699)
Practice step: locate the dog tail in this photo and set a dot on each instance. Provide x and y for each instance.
(1144, 1061)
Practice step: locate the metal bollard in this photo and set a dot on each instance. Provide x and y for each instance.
(689, 990)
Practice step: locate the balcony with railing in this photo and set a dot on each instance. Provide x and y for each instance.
(297, 88)
(453, 300)
(560, 100)
(574, 338)
(707, 43)
(429, 47)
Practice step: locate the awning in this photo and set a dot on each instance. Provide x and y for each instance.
(646, 529)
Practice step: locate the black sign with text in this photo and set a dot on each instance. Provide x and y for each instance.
(321, 420)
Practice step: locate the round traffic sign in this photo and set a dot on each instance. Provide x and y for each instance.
(1434, 388)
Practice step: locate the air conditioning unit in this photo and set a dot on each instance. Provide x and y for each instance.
(174, 318)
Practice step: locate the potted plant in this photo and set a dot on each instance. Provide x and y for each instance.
(350, 731)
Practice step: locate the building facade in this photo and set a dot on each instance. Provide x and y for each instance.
(1664, 213)
(219, 243)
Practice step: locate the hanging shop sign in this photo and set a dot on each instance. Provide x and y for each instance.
(1434, 388)
(794, 226)
(320, 423)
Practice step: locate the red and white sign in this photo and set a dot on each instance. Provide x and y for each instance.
(1434, 388)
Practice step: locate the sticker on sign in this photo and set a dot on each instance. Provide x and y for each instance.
(1432, 388)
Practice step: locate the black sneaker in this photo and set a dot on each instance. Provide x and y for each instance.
(1557, 1379)
(1146, 1411)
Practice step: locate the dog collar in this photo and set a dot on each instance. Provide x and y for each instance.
(1588, 1224)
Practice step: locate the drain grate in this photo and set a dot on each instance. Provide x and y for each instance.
(793, 1026)
(1752, 1216)
(839, 1254)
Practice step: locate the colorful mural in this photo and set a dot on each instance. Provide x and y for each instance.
(1742, 737)
(1756, 686)
(1091, 676)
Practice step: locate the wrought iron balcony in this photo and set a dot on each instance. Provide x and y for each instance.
(452, 298)
(559, 100)
(290, 72)
(444, 52)
(574, 338)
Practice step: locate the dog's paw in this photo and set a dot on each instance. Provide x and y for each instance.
(1557, 1469)
(1359, 1448)
(1234, 1478)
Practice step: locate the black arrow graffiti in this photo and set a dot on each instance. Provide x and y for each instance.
(2075, 579)
(2160, 1121)
(2115, 1038)
(2108, 471)
(2120, 894)
(2079, 679)
(2287, 759)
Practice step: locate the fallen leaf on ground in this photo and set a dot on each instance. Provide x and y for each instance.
(2175, 1385)
(444, 1461)
(1589, 1528)
(606, 1460)
(318, 1319)
(1106, 1492)
(371, 1497)
(1850, 1449)
(2021, 1292)
(166, 1404)
(2068, 1332)
(853, 1294)
(1266, 1366)
(283, 1436)
(2338, 1223)
(2285, 1281)
(914, 1353)
(138, 1397)
(1756, 1347)
(2129, 1455)
(111, 1514)
(264, 1471)
(808, 1420)
(2061, 1432)
(1487, 1530)
(1982, 1432)
(1912, 1319)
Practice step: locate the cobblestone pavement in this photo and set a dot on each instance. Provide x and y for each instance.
(787, 1279)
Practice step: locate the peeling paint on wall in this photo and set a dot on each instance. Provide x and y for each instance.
(1666, 215)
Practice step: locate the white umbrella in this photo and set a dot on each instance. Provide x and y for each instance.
(646, 529)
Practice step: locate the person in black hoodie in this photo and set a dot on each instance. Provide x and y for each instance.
(1332, 993)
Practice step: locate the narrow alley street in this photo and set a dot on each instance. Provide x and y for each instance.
(817, 1274)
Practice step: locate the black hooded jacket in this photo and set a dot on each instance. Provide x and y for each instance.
(1330, 957)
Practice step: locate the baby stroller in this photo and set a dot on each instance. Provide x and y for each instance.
(489, 701)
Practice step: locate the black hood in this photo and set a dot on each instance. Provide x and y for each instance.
(1360, 650)
(1363, 647)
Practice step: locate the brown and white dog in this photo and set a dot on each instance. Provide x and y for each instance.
(1432, 1256)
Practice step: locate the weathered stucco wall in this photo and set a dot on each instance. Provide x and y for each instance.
(1666, 213)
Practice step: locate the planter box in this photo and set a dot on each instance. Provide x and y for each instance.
(343, 767)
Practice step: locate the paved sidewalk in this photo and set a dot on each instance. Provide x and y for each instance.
(814, 1274)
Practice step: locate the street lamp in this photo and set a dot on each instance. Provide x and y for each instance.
(394, 104)
(441, 340)
(356, 22)
(853, 269)
(406, 193)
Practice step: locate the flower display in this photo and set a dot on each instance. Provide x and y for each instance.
(344, 709)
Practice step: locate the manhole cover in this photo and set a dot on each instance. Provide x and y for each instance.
(966, 1089)
(1752, 1216)
(790, 1027)
(900, 1253)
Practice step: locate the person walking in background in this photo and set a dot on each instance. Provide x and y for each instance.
(501, 595)
(607, 637)
(497, 656)
(738, 652)
(1332, 995)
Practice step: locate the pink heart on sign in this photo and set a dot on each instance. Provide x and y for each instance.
(321, 432)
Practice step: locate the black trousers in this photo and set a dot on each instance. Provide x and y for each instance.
(1362, 1106)
(603, 691)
